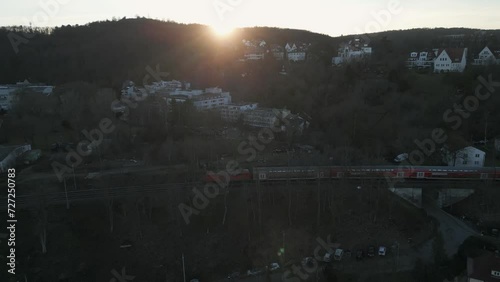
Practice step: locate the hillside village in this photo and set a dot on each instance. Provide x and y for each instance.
(142, 114)
(355, 50)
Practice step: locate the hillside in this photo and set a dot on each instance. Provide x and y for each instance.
(107, 53)
(350, 107)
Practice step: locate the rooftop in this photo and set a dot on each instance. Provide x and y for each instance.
(455, 54)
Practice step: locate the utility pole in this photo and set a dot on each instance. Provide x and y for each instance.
(74, 178)
(183, 268)
(486, 127)
(66, 192)
(284, 251)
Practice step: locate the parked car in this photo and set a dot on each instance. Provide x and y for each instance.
(339, 253)
(381, 251)
(359, 255)
(371, 251)
(327, 257)
(401, 157)
(274, 266)
(255, 272)
(347, 254)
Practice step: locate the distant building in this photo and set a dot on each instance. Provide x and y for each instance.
(9, 155)
(211, 101)
(164, 86)
(487, 57)
(296, 52)
(278, 52)
(450, 60)
(211, 98)
(484, 268)
(353, 50)
(186, 93)
(421, 60)
(130, 91)
(466, 157)
(233, 112)
(8, 92)
(266, 118)
(254, 50)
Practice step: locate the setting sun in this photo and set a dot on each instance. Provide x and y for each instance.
(222, 30)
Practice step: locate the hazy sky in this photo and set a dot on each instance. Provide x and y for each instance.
(331, 17)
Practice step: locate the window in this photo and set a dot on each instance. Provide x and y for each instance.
(465, 162)
(476, 162)
(477, 155)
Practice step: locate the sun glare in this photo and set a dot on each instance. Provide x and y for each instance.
(222, 30)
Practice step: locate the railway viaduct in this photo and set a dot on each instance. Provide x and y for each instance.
(443, 192)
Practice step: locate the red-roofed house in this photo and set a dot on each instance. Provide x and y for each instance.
(451, 60)
(484, 268)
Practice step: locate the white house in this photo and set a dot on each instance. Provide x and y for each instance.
(450, 60)
(232, 112)
(296, 51)
(421, 60)
(466, 157)
(211, 101)
(163, 86)
(487, 57)
(353, 50)
(203, 102)
(8, 92)
(254, 53)
(278, 52)
(254, 50)
(9, 155)
(265, 117)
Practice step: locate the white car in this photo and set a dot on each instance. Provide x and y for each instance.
(401, 157)
(338, 254)
(327, 257)
(274, 266)
(381, 251)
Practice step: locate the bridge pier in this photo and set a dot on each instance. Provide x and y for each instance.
(448, 197)
(441, 197)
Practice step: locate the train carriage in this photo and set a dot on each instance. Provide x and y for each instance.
(363, 172)
(243, 175)
(290, 173)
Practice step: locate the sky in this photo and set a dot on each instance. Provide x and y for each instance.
(330, 17)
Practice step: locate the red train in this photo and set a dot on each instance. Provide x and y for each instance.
(361, 172)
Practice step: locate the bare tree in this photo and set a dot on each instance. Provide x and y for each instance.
(41, 215)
